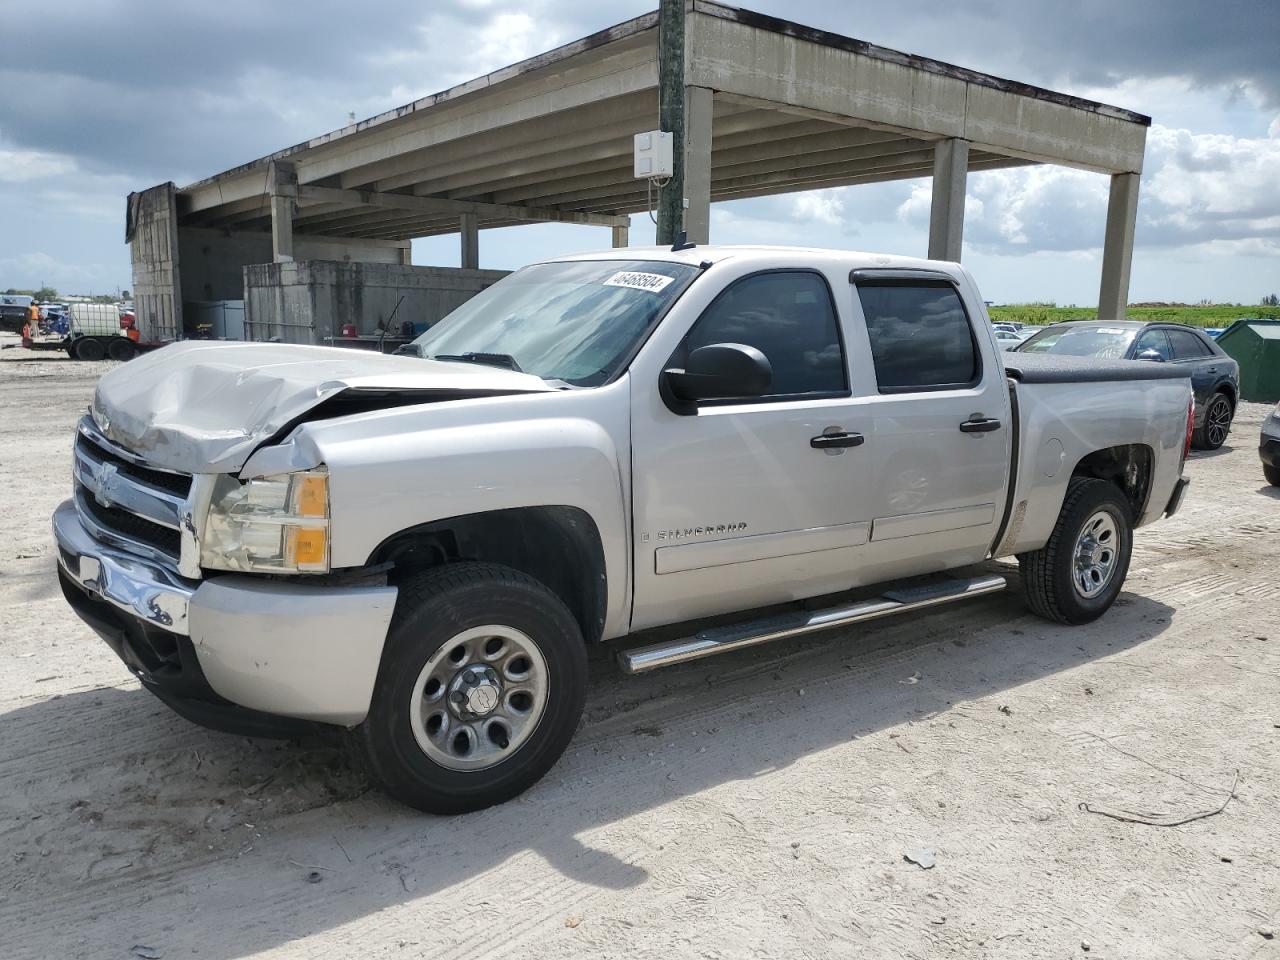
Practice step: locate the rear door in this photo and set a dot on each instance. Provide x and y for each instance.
(935, 408)
(1192, 353)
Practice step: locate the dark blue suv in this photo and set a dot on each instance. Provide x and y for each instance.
(1215, 377)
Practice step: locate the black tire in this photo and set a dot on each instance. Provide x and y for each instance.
(1049, 574)
(433, 608)
(1212, 432)
(121, 348)
(1272, 474)
(89, 348)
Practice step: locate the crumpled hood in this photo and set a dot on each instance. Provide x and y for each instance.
(203, 407)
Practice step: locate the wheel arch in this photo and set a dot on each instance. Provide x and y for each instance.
(1128, 466)
(559, 546)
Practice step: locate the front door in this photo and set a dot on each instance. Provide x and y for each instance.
(742, 504)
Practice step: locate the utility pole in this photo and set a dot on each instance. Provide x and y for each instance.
(671, 115)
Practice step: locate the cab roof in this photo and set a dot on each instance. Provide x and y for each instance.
(768, 256)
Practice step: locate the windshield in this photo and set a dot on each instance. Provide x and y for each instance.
(577, 321)
(1106, 342)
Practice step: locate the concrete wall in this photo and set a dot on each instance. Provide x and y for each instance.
(213, 260)
(307, 301)
(151, 230)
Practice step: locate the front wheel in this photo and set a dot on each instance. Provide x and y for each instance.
(1272, 474)
(1076, 576)
(482, 683)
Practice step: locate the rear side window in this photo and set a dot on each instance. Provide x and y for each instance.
(921, 338)
(789, 317)
(1187, 345)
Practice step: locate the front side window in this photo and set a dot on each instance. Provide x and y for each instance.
(1153, 340)
(920, 335)
(789, 317)
(574, 321)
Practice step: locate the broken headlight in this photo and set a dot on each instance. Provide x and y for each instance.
(270, 525)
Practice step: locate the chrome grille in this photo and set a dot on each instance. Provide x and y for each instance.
(131, 504)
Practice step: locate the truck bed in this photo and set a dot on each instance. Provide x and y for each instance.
(1051, 368)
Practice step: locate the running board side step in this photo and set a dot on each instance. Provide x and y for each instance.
(735, 636)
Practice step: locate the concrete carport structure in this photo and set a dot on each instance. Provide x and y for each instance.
(770, 107)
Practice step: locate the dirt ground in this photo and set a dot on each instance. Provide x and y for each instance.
(754, 805)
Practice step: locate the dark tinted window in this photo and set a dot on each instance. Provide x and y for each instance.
(1187, 345)
(1153, 340)
(920, 335)
(787, 316)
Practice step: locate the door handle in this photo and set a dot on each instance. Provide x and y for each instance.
(826, 441)
(979, 425)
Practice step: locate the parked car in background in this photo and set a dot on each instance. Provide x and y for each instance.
(1215, 377)
(15, 310)
(1007, 339)
(1269, 447)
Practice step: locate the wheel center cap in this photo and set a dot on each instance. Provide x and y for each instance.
(482, 698)
(475, 692)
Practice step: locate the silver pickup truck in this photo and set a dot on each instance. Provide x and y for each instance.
(420, 547)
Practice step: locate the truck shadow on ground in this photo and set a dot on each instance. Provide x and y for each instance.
(117, 804)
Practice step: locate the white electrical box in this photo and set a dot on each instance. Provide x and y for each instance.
(654, 156)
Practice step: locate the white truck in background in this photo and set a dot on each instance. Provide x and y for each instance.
(420, 547)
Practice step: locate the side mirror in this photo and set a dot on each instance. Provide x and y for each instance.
(720, 371)
(1153, 355)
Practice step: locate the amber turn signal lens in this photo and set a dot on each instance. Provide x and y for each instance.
(309, 545)
(313, 496)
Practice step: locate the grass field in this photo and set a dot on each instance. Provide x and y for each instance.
(1215, 315)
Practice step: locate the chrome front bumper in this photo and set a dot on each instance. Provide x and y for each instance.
(144, 590)
(288, 648)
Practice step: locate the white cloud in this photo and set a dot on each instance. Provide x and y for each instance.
(1203, 188)
(18, 166)
(825, 206)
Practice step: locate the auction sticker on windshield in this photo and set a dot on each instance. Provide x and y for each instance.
(653, 282)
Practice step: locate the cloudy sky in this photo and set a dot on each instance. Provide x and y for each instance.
(100, 97)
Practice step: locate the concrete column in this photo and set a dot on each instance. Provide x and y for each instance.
(283, 180)
(281, 229)
(1117, 247)
(470, 230)
(697, 163)
(946, 215)
(621, 237)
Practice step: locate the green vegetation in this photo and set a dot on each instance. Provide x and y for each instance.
(1204, 315)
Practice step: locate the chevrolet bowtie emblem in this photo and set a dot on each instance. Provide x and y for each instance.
(104, 478)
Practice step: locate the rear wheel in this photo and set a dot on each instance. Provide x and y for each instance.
(481, 686)
(1077, 575)
(1272, 474)
(89, 348)
(1212, 433)
(122, 349)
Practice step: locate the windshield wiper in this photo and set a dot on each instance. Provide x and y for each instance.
(473, 356)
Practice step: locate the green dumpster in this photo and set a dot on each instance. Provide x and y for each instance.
(1255, 345)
